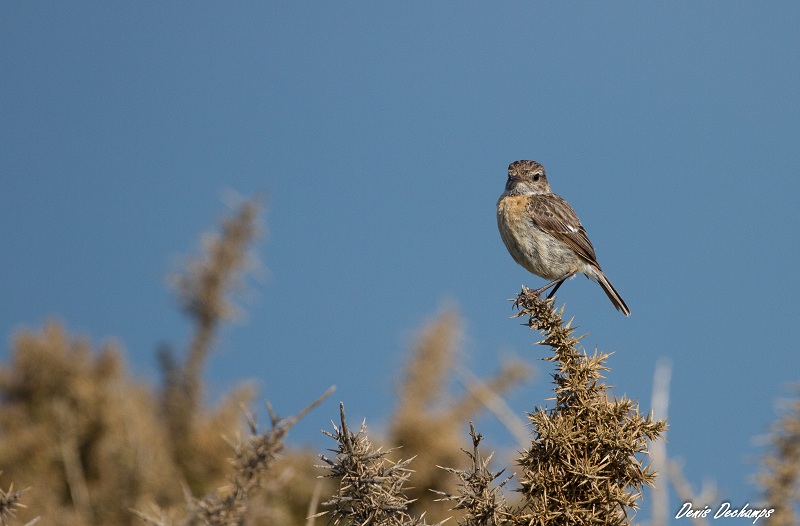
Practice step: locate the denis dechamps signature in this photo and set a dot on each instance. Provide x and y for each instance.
(723, 511)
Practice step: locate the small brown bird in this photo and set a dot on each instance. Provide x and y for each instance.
(543, 233)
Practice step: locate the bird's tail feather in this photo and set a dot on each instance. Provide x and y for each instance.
(612, 294)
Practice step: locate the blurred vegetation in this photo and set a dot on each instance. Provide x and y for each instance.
(780, 476)
(83, 442)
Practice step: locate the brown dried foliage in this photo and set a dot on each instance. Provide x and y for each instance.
(10, 504)
(203, 291)
(781, 476)
(585, 462)
(371, 487)
(253, 459)
(584, 466)
(78, 431)
(92, 443)
(478, 495)
(428, 418)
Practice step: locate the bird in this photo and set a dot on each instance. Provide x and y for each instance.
(543, 233)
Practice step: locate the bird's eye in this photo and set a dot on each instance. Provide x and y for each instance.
(535, 177)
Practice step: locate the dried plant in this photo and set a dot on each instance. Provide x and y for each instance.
(482, 501)
(79, 432)
(9, 504)
(584, 465)
(371, 487)
(253, 458)
(781, 476)
(203, 291)
(91, 441)
(428, 417)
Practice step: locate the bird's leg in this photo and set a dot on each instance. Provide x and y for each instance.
(556, 282)
(552, 292)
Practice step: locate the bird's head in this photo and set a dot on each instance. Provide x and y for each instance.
(527, 178)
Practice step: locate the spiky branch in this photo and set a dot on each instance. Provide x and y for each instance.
(585, 465)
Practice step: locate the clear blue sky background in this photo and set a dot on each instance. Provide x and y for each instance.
(381, 134)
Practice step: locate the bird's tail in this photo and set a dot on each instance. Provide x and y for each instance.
(612, 293)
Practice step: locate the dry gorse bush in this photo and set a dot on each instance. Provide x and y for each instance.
(371, 487)
(429, 417)
(253, 459)
(92, 443)
(478, 495)
(203, 292)
(77, 430)
(585, 463)
(584, 466)
(781, 476)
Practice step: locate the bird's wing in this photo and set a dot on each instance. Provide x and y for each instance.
(553, 214)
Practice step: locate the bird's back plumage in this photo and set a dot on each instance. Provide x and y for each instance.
(554, 215)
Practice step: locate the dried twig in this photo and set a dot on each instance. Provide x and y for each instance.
(482, 501)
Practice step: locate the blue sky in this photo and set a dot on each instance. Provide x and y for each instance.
(380, 134)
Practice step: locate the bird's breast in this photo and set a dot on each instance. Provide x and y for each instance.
(530, 246)
(516, 228)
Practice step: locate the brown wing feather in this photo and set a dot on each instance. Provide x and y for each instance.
(554, 215)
